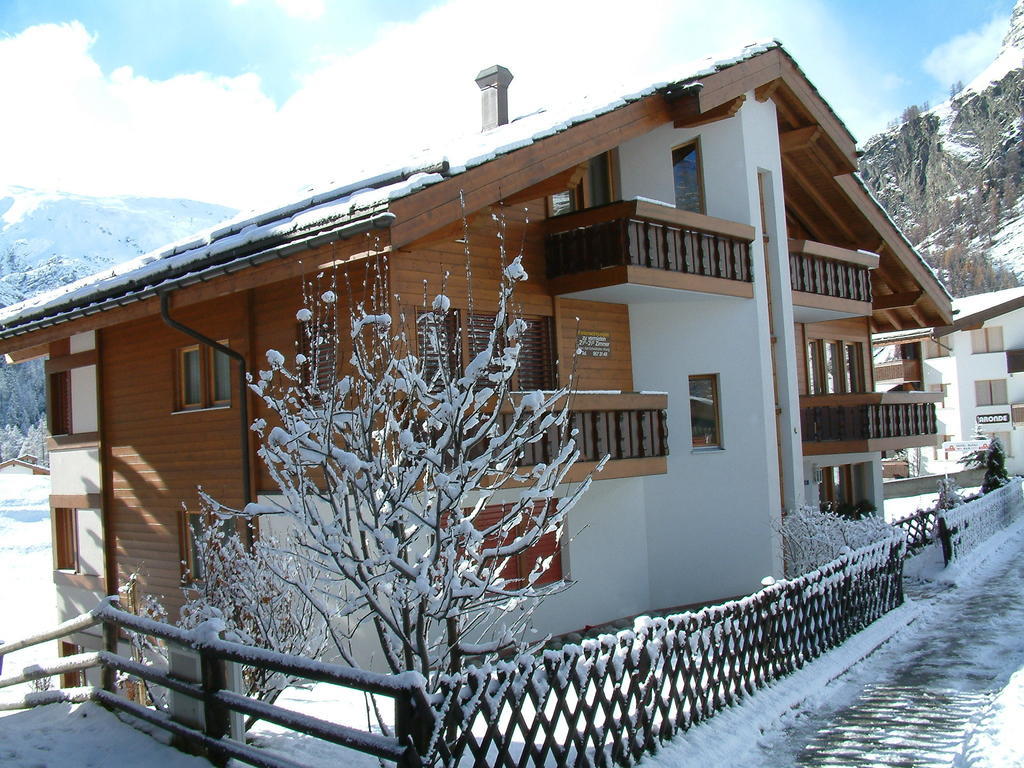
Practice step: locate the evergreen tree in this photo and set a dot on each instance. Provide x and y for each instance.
(995, 467)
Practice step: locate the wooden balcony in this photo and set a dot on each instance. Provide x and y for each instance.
(899, 370)
(646, 248)
(872, 421)
(835, 280)
(630, 427)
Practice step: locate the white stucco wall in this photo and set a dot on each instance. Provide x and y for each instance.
(605, 551)
(82, 342)
(75, 471)
(84, 417)
(90, 542)
(711, 519)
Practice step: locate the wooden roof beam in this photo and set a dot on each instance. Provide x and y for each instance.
(904, 300)
(799, 138)
(686, 111)
(812, 191)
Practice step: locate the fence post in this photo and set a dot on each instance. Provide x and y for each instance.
(413, 728)
(108, 675)
(945, 537)
(216, 717)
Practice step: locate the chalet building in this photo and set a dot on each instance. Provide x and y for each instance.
(971, 364)
(706, 243)
(23, 465)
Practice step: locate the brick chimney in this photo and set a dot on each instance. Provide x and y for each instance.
(493, 83)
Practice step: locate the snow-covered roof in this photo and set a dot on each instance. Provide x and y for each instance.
(971, 305)
(322, 212)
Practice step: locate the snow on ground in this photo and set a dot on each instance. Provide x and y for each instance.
(28, 601)
(777, 726)
(896, 509)
(82, 736)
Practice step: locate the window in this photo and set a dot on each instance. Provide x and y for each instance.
(835, 367)
(990, 392)
(836, 485)
(590, 186)
(934, 348)
(686, 176)
(987, 340)
(76, 678)
(519, 567)
(536, 348)
(65, 538)
(704, 412)
(191, 527)
(318, 344)
(204, 378)
(60, 403)
(438, 341)
(1017, 411)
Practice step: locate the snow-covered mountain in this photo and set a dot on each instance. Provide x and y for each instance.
(48, 239)
(953, 176)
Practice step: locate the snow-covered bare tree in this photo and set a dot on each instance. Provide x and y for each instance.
(401, 474)
(247, 584)
(812, 537)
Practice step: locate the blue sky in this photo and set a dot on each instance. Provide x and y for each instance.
(233, 101)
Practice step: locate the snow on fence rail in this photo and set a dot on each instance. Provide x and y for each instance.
(614, 698)
(962, 528)
(206, 727)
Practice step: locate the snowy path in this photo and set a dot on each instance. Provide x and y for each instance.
(918, 699)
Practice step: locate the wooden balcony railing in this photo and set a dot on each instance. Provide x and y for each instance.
(638, 233)
(626, 425)
(899, 370)
(868, 422)
(825, 270)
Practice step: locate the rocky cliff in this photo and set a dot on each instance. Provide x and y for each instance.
(953, 177)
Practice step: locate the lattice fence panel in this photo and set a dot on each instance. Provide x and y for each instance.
(614, 698)
(972, 523)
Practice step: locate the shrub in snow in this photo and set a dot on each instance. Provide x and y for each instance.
(812, 537)
(247, 585)
(389, 472)
(949, 494)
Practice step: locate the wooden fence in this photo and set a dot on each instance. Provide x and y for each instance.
(201, 706)
(617, 697)
(963, 528)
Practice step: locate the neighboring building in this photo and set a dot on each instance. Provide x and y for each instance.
(708, 238)
(972, 364)
(23, 465)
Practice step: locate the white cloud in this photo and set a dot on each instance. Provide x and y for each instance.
(223, 140)
(964, 56)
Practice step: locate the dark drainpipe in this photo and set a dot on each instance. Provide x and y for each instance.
(165, 300)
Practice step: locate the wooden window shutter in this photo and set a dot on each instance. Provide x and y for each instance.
(536, 358)
(478, 332)
(65, 523)
(448, 343)
(320, 349)
(60, 403)
(518, 568)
